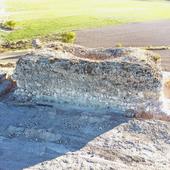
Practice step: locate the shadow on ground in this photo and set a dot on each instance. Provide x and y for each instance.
(33, 134)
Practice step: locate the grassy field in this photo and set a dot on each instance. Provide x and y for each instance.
(42, 17)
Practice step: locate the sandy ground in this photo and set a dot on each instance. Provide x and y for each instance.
(52, 138)
(156, 33)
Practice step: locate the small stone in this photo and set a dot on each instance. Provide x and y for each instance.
(2, 76)
(130, 113)
(36, 43)
(15, 131)
(5, 87)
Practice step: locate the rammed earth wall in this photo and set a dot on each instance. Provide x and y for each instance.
(122, 78)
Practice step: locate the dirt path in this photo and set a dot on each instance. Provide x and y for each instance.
(133, 34)
(155, 33)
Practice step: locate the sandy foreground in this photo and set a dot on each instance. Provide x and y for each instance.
(50, 138)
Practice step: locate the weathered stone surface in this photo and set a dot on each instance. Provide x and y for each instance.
(123, 78)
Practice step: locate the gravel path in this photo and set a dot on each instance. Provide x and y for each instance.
(156, 33)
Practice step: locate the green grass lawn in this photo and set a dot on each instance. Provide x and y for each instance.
(42, 17)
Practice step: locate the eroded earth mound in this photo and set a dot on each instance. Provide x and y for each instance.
(123, 78)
